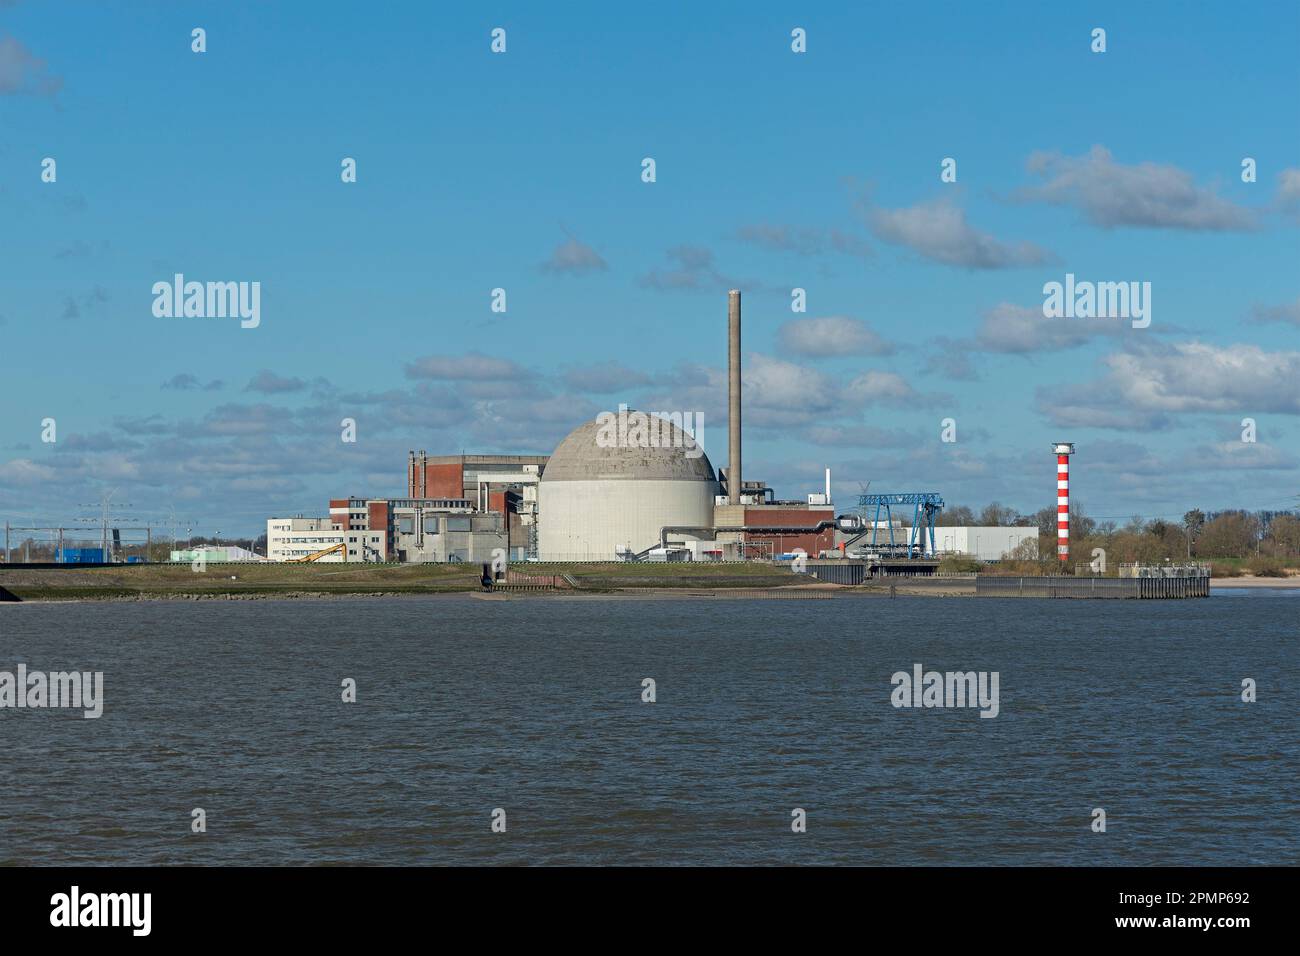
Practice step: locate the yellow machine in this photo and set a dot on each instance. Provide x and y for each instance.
(316, 556)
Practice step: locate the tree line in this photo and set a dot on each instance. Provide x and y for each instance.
(1199, 535)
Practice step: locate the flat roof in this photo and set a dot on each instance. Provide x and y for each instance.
(483, 459)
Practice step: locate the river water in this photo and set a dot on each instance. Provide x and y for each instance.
(534, 706)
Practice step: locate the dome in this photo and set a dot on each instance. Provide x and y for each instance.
(615, 483)
(650, 448)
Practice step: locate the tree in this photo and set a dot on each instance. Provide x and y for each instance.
(1284, 535)
(1193, 522)
(1026, 550)
(996, 515)
(1045, 518)
(1231, 535)
(956, 517)
(1081, 526)
(1158, 528)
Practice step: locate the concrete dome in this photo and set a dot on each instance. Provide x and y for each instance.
(608, 490)
(584, 456)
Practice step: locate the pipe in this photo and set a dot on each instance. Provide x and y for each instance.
(828, 486)
(733, 397)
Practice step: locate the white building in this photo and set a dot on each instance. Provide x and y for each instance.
(215, 555)
(986, 544)
(290, 538)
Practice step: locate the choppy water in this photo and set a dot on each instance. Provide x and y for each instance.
(763, 706)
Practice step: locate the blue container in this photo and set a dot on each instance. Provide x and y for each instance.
(82, 556)
(135, 559)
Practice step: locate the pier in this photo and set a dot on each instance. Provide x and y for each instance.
(1140, 583)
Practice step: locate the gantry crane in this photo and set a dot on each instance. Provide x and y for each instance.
(920, 537)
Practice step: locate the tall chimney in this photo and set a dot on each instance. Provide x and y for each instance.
(733, 397)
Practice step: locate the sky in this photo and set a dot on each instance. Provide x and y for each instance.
(523, 170)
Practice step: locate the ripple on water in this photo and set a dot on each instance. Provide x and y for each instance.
(763, 707)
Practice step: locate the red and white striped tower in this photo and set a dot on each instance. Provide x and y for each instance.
(1064, 450)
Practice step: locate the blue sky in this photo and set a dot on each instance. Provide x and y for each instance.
(522, 171)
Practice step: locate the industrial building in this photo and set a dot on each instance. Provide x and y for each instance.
(596, 499)
(602, 500)
(504, 484)
(985, 544)
(215, 555)
(389, 529)
(296, 539)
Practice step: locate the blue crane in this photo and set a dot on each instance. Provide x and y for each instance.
(925, 506)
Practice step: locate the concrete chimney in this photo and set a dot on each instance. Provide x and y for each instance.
(733, 397)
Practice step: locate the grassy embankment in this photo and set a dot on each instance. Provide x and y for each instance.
(234, 581)
(179, 581)
(127, 581)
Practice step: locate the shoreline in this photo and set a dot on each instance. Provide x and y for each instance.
(594, 582)
(1249, 581)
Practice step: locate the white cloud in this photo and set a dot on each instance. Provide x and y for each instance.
(574, 258)
(474, 366)
(268, 383)
(604, 377)
(693, 269)
(938, 230)
(886, 388)
(1288, 192)
(21, 72)
(1018, 329)
(832, 335)
(1241, 456)
(863, 436)
(804, 241)
(1287, 312)
(774, 383)
(25, 472)
(1194, 376)
(1147, 195)
(1150, 387)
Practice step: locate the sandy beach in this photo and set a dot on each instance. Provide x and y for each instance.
(1250, 581)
